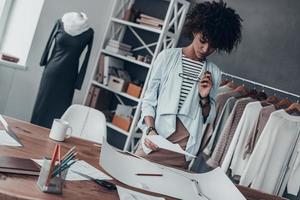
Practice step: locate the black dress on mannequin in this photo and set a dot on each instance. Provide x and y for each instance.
(61, 75)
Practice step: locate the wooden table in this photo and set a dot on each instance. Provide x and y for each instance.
(37, 145)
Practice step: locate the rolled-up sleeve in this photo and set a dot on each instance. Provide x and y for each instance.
(149, 101)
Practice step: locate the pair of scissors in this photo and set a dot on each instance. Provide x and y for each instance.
(103, 183)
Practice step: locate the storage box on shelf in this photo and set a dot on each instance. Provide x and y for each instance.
(122, 123)
(117, 84)
(136, 33)
(134, 90)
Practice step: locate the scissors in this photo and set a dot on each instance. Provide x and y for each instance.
(103, 183)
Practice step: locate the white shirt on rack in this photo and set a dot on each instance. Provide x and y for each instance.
(245, 127)
(268, 162)
(234, 156)
(294, 179)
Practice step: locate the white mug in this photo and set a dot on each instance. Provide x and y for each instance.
(59, 130)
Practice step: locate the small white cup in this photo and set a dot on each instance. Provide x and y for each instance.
(59, 130)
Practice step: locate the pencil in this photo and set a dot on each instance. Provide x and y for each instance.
(52, 163)
(145, 174)
(72, 149)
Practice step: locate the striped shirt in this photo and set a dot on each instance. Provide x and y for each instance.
(191, 72)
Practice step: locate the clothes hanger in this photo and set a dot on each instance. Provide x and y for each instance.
(261, 96)
(231, 84)
(293, 108)
(253, 92)
(269, 101)
(264, 103)
(282, 104)
(258, 95)
(272, 99)
(242, 90)
(224, 82)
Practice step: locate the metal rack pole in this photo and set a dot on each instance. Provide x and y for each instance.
(260, 84)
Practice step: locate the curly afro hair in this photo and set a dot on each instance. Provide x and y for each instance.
(220, 25)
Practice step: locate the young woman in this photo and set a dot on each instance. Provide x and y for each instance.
(181, 91)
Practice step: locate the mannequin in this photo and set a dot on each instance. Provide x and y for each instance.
(75, 23)
(62, 75)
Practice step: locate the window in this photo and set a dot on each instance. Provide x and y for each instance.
(18, 23)
(5, 6)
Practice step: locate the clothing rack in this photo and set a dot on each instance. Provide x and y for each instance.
(262, 85)
(283, 182)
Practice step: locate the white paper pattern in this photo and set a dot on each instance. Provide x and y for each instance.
(7, 140)
(126, 194)
(213, 185)
(163, 143)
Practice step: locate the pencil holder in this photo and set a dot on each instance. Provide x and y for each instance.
(55, 184)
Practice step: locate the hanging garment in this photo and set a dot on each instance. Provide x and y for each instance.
(246, 122)
(293, 185)
(60, 76)
(263, 118)
(245, 127)
(224, 89)
(221, 101)
(269, 160)
(227, 133)
(220, 125)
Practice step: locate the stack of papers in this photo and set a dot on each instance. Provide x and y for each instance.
(213, 185)
(7, 136)
(7, 140)
(82, 167)
(126, 194)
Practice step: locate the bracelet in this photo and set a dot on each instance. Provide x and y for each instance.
(151, 128)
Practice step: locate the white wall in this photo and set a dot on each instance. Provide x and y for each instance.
(20, 87)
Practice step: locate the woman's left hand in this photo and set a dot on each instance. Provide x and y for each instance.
(205, 85)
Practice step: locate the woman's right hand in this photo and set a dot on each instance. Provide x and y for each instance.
(150, 144)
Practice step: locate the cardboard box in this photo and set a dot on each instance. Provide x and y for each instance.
(122, 123)
(117, 84)
(134, 90)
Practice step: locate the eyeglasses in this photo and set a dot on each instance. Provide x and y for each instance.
(190, 77)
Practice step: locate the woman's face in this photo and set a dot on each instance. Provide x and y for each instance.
(201, 46)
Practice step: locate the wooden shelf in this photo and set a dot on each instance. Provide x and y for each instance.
(144, 39)
(139, 26)
(110, 125)
(119, 93)
(126, 58)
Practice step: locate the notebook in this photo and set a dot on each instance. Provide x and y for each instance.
(18, 166)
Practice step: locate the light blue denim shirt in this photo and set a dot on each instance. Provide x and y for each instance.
(161, 99)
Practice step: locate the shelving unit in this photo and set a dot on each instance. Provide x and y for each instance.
(144, 40)
(126, 59)
(118, 93)
(135, 25)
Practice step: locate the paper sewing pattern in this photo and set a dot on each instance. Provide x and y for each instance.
(126, 194)
(171, 179)
(163, 143)
(7, 140)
